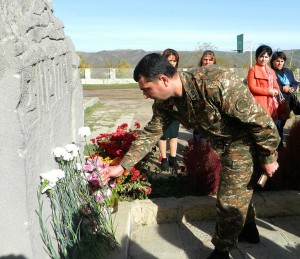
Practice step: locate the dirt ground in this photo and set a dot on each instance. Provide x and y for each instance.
(126, 106)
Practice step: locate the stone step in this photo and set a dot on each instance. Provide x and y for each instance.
(132, 216)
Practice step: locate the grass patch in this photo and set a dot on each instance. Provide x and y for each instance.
(89, 110)
(110, 86)
(88, 113)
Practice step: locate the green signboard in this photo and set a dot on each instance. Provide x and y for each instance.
(240, 43)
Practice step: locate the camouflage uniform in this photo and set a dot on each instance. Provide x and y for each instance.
(216, 103)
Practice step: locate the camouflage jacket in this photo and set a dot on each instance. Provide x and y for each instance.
(220, 106)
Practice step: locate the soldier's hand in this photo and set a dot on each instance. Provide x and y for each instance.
(111, 172)
(270, 168)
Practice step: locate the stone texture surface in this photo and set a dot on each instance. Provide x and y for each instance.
(41, 109)
(191, 208)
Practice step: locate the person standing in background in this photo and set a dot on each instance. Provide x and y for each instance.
(286, 82)
(262, 81)
(171, 132)
(208, 58)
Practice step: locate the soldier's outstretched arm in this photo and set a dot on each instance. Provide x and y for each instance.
(145, 141)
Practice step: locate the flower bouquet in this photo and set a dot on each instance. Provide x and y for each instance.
(112, 147)
(80, 206)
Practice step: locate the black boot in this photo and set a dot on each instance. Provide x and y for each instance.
(249, 234)
(173, 163)
(164, 164)
(216, 254)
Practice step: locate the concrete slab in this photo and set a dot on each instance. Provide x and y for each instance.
(121, 220)
(279, 239)
(141, 236)
(159, 241)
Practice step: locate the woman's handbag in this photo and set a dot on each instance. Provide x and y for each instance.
(283, 109)
(295, 104)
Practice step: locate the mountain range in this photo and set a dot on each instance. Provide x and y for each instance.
(112, 58)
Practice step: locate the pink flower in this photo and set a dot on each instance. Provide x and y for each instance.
(89, 167)
(93, 163)
(112, 184)
(99, 196)
(93, 178)
(108, 192)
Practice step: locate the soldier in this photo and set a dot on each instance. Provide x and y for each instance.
(215, 102)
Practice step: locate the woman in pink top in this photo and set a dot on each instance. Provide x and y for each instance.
(262, 81)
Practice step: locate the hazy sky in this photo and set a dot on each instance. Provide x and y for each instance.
(96, 25)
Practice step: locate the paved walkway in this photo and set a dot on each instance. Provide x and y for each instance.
(279, 240)
(182, 228)
(168, 228)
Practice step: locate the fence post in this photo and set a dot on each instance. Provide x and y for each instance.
(87, 73)
(112, 73)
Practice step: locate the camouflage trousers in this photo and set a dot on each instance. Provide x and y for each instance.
(234, 206)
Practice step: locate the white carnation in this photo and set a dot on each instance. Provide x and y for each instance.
(84, 131)
(59, 151)
(52, 177)
(78, 166)
(73, 149)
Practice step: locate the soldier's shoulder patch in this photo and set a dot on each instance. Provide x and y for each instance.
(243, 104)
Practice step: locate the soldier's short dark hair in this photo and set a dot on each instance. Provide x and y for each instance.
(262, 50)
(152, 66)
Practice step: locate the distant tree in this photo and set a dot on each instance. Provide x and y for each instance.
(123, 63)
(188, 59)
(204, 46)
(293, 68)
(224, 62)
(123, 70)
(246, 65)
(83, 62)
(107, 63)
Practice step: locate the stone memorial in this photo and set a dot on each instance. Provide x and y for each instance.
(41, 108)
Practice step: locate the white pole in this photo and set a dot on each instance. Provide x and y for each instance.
(249, 49)
(291, 59)
(250, 53)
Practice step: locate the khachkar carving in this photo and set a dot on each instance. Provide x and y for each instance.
(41, 53)
(43, 84)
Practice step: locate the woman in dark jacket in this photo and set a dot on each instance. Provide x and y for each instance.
(286, 81)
